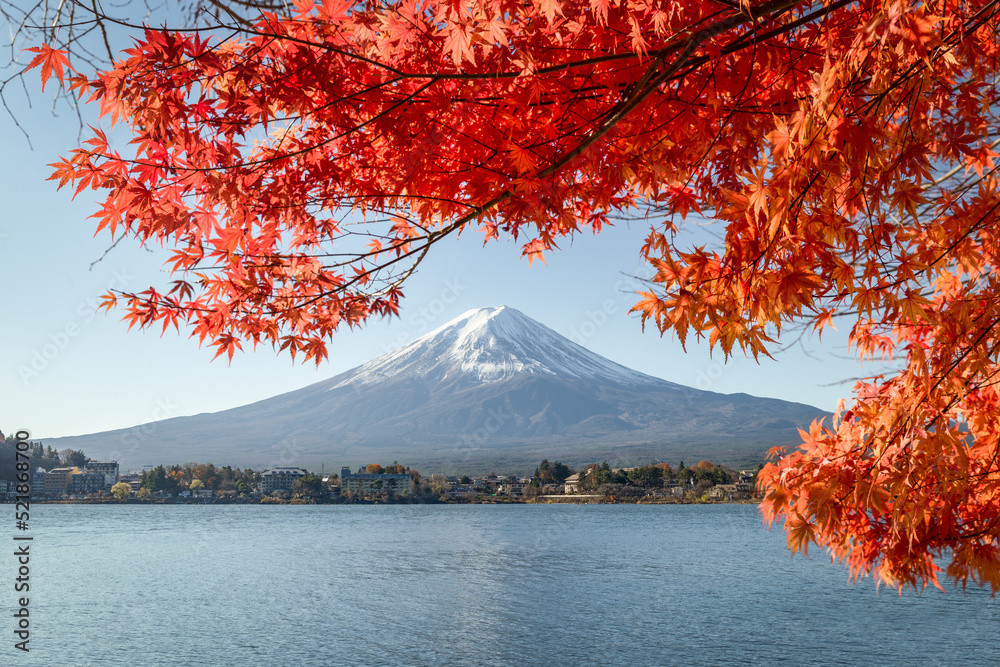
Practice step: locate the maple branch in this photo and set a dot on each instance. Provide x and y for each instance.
(650, 81)
(643, 88)
(100, 24)
(106, 251)
(771, 9)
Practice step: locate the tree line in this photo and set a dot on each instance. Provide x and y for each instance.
(41, 456)
(603, 479)
(194, 476)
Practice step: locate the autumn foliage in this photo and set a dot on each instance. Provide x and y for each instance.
(301, 170)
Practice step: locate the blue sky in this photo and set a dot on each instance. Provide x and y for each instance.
(68, 370)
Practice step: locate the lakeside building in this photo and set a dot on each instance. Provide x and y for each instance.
(107, 468)
(84, 483)
(362, 481)
(279, 479)
(572, 484)
(58, 480)
(738, 491)
(454, 488)
(72, 481)
(197, 493)
(95, 477)
(133, 479)
(38, 481)
(488, 484)
(514, 487)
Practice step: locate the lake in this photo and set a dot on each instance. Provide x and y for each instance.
(464, 585)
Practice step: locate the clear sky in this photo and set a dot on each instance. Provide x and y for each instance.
(68, 370)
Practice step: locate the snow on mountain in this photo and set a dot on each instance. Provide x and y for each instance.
(488, 345)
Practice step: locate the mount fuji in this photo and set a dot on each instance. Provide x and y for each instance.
(493, 388)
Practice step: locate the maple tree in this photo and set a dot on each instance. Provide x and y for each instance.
(301, 167)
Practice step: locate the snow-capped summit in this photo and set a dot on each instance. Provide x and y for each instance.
(487, 345)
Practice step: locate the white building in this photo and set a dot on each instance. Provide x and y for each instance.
(133, 479)
(277, 479)
(514, 487)
(361, 482)
(572, 484)
(107, 468)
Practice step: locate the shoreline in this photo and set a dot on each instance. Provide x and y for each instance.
(562, 500)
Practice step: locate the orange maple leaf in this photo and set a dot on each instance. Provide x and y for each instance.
(51, 61)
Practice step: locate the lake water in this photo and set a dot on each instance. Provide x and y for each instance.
(463, 585)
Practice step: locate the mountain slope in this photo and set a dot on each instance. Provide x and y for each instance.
(490, 345)
(492, 387)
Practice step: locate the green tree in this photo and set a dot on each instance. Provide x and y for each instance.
(714, 474)
(309, 486)
(156, 480)
(74, 457)
(208, 474)
(560, 471)
(666, 471)
(50, 460)
(227, 478)
(646, 477)
(552, 473)
(602, 475)
(685, 475)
